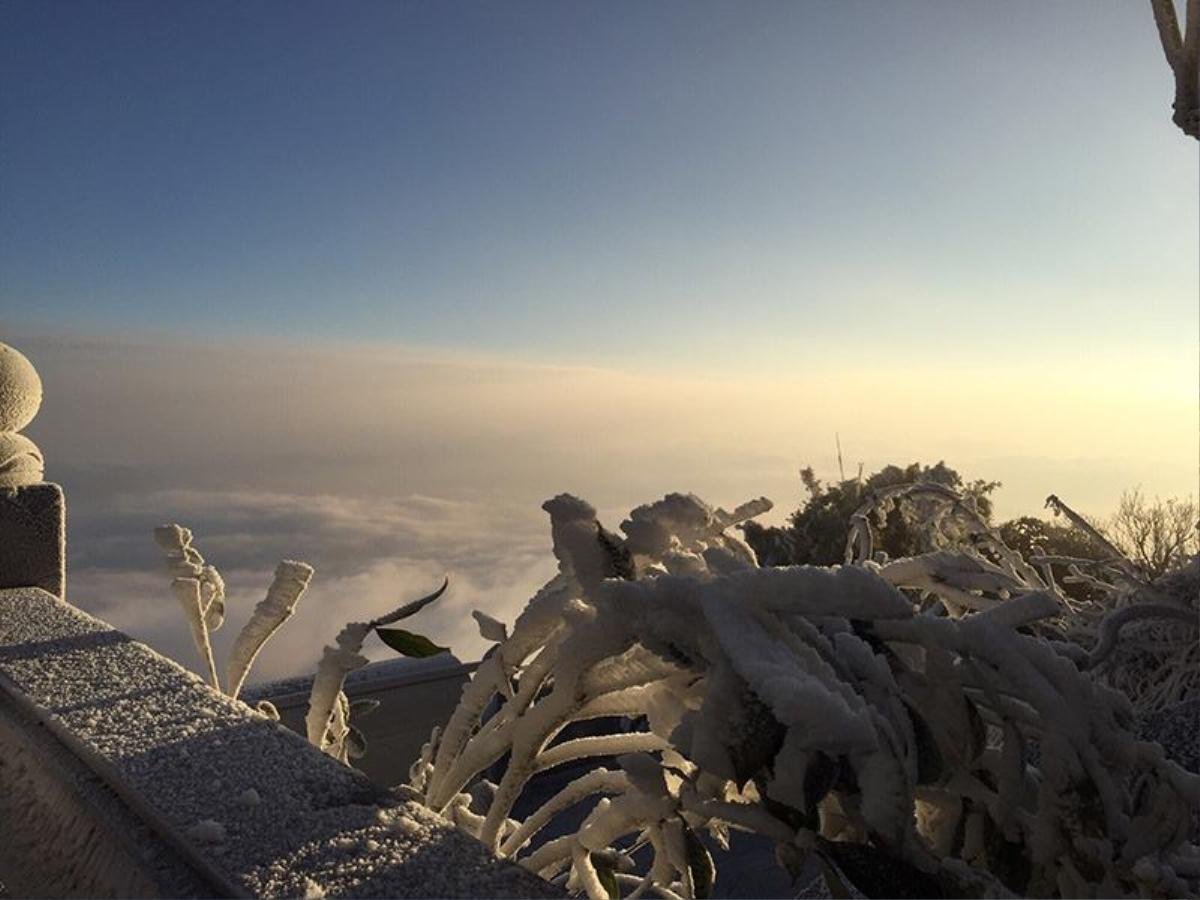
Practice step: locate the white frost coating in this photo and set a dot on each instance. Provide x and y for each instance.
(207, 831)
(184, 561)
(267, 708)
(291, 580)
(201, 592)
(328, 718)
(793, 681)
(21, 462)
(249, 798)
(574, 528)
(336, 663)
(818, 689)
(187, 592)
(20, 389)
(490, 629)
(680, 520)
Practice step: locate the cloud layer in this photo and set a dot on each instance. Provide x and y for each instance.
(386, 468)
(370, 556)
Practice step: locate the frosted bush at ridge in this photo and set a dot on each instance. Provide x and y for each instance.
(1139, 636)
(815, 706)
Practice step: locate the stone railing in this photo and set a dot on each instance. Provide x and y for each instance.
(122, 774)
(413, 697)
(32, 534)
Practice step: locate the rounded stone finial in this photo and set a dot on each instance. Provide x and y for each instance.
(20, 390)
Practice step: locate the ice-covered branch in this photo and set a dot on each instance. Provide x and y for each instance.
(327, 720)
(291, 580)
(819, 707)
(187, 592)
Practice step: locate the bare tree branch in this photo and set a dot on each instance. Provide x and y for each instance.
(1183, 56)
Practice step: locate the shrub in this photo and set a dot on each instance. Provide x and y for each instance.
(936, 713)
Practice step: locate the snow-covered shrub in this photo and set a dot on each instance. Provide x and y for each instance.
(1138, 633)
(916, 712)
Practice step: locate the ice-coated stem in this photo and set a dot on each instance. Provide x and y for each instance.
(291, 580)
(187, 592)
(339, 661)
(336, 663)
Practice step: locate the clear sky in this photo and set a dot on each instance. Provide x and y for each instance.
(620, 181)
(363, 283)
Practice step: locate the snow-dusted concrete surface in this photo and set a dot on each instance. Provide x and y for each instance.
(65, 832)
(32, 537)
(243, 805)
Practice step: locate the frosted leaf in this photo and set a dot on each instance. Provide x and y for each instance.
(490, 629)
(267, 708)
(291, 580)
(644, 771)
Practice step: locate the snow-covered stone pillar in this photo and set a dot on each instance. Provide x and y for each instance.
(32, 512)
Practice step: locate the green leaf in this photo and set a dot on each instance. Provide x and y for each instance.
(412, 608)
(356, 744)
(363, 707)
(607, 875)
(699, 862)
(408, 644)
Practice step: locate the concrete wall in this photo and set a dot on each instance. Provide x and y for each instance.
(33, 549)
(413, 697)
(122, 774)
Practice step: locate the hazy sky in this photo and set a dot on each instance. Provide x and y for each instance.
(364, 283)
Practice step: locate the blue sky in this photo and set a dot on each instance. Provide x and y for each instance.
(364, 283)
(638, 183)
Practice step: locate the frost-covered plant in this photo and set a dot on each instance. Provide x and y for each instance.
(201, 592)
(1138, 634)
(328, 720)
(826, 709)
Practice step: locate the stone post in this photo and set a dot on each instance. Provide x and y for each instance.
(32, 512)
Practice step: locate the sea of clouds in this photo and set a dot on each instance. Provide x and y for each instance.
(386, 468)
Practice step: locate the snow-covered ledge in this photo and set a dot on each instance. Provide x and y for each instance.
(123, 774)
